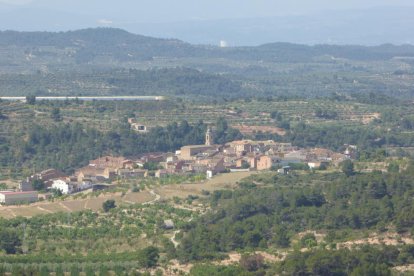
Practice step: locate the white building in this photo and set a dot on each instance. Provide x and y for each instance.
(7, 197)
(64, 186)
(209, 174)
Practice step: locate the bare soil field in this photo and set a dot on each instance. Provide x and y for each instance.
(140, 197)
(223, 181)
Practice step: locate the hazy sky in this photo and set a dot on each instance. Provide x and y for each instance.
(177, 10)
(209, 21)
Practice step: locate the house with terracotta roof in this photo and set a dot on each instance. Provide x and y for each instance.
(216, 165)
(108, 162)
(241, 147)
(266, 162)
(190, 152)
(47, 176)
(135, 173)
(91, 173)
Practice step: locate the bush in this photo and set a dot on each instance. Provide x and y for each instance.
(108, 205)
(252, 262)
(309, 241)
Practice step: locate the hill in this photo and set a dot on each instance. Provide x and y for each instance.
(91, 44)
(85, 62)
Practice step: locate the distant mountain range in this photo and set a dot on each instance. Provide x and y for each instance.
(115, 45)
(363, 27)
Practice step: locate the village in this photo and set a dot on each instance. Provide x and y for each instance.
(208, 159)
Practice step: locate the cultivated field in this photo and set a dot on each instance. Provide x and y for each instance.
(223, 181)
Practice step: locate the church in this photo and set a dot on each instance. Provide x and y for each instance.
(190, 152)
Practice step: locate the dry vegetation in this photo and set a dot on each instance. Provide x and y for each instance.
(222, 181)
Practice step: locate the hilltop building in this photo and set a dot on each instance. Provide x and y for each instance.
(190, 152)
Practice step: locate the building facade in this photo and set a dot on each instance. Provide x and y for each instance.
(10, 198)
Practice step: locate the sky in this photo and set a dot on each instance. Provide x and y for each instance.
(209, 21)
(149, 11)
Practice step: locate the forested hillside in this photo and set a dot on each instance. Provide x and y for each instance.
(121, 45)
(80, 63)
(174, 82)
(68, 147)
(269, 211)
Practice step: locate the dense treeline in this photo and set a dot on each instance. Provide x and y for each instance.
(367, 260)
(261, 217)
(70, 146)
(336, 136)
(371, 141)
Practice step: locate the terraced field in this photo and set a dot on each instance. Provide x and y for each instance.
(257, 113)
(73, 205)
(252, 113)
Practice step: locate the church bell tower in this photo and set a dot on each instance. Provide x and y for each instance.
(209, 137)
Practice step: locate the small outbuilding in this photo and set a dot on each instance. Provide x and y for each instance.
(168, 224)
(285, 170)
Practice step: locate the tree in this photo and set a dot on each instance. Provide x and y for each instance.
(151, 166)
(2, 116)
(224, 133)
(281, 237)
(55, 115)
(347, 167)
(393, 168)
(31, 99)
(149, 257)
(38, 185)
(377, 189)
(108, 205)
(9, 241)
(56, 192)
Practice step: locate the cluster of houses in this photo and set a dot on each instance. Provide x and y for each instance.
(249, 155)
(209, 159)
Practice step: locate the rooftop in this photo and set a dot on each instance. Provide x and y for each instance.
(196, 146)
(16, 193)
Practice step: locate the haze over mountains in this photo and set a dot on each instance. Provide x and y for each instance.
(362, 25)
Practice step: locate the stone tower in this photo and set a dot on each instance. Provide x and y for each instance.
(209, 137)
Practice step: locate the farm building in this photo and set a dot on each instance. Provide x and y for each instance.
(9, 198)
